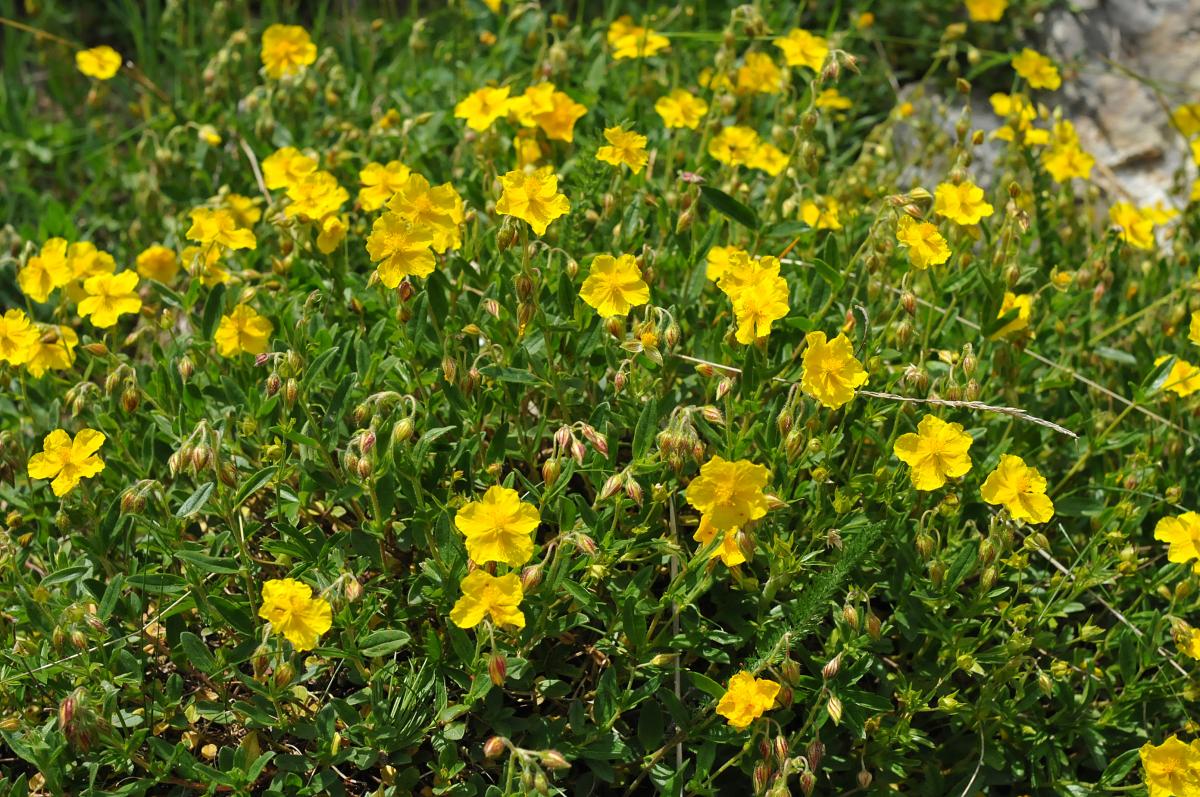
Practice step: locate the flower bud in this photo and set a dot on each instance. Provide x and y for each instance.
(830, 670)
(850, 615)
(808, 782)
(762, 776)
(834, 707)
(291, 392)
(723, 387)
(864, 777)
(494, 747)
(555, 761)
(550, 471)
(612, 486)
(497, 668)
(531, 576)
(633, 491)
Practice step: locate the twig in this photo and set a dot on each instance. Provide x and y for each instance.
(1014, 412)
(1060, 567)
(258, 178)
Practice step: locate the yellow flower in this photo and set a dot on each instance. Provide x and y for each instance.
(801, 48)
(759, 305)
(315, 196)
(100, 62)
(614, 285)
(292, 610)
(244, 209)
(1037, 69)
(1172, 769)
(1183, 534)
(681, 108)
(243, 330)
(1190, 643)
(714, 81)
(926, 246)
(498, 527)
(218, 227)
(380, 183)
(822, 215)
(1018, 111)
(832, 99)
(721, 259)
(734, 145)
(759, 75)
(729, 493)
(634, 41)
(439, 209)
(85, 260)
(986, 10)
(1136, 229)
(1194, 328)
(532, 103)
(769, 158)
(1186, 119)
(963, 203)
(1195, 155)
(286, 166)
(45, 271)
(491, 596)
(625, 146)
(532, 197)
(1183, 378)
(558, 123)
(399, 249)
(744, 272)
(829, 371)
(1020, 488)
(483, 106)
(53, 351)
(110, 296)
(1023, 304)
(209, 135)
(1159, 213)
(66, 460)
(729, 550)
(331, 232)
(205, 263)
(157, 263)
(529, 151)
(936, 452)
(747, 699)
(17, 337)
(1063, 163)
(286, 50)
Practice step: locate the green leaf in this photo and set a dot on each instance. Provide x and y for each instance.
(197, 652)
(195, 501)
(383, 642)
(209, 564)
(506, 374)
(253, 485)
(705, 684)
(647, 425)
(214, 306)
(728, 206)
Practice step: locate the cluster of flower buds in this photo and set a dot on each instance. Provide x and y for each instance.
(534, 763)
(680, 441)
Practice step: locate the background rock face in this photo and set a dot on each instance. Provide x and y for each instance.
(1120, 118)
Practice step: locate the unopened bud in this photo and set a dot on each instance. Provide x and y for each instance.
(497, 669)
(834, 707)
(554, 760)
(494, 747)
(830, 670)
